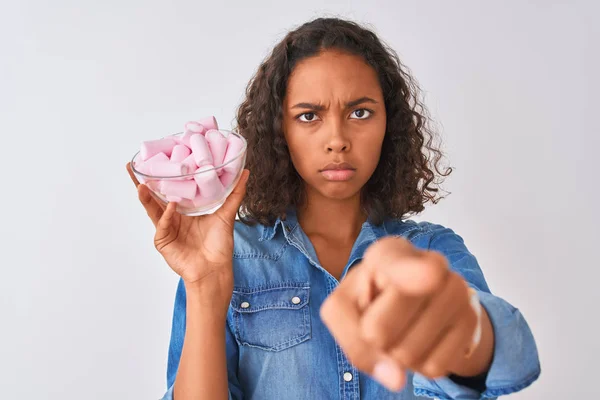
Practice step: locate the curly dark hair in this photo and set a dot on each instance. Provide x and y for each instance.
(403, 181)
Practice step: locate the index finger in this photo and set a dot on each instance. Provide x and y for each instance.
(132, 175)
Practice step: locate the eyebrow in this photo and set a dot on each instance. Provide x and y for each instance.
(350, 104)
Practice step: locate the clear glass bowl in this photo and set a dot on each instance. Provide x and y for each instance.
(203, 206)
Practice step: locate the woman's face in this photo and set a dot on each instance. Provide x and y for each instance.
(334, 123)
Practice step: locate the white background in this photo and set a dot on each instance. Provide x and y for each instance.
(86, 301)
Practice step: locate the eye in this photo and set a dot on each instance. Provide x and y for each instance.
(307, 117)
(361, 113)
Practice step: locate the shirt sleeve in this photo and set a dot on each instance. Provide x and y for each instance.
(515, 363)
(176, 346)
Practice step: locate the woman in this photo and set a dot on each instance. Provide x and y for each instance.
(324, 289)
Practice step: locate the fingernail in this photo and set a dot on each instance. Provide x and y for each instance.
(386, 373)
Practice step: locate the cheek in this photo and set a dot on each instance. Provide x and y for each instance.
(371, 150)
(300, 152)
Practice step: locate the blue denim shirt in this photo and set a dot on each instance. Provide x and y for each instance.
(278, 347)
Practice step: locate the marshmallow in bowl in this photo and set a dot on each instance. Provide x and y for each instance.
(208, 182)
(234, 148)
(218, 146)
(209, 123)
(181, 168)
(153, 147)
(184, 189)
(200, 150)
(180, 152)
(195, 127)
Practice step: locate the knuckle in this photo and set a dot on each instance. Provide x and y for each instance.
(459, 285)
(371, 252)
(327, 308)
(406, 357)
(373, 334)
(432, 370)
(410, 358)
(436, 266)
(358, 359)
(400, 241)
(459, 281)
(437, 260)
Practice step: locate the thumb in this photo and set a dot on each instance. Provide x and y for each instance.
(232, 204)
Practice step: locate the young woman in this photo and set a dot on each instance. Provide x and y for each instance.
(324, 289)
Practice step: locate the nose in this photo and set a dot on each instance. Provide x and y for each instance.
(337, 141)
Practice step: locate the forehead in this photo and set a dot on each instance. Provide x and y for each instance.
(333, 73)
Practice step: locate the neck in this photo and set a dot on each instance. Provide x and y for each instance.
(337, 220)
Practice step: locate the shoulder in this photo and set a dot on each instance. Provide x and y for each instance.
(425, 234)
(247, 233)
(442, 239)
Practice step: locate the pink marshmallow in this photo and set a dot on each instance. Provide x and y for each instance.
(234, 149)
(167, 168)
(196, 202)
(208, 182)
(144, 166)
(200, 150)
(218, 146)
(195, 127)
(185, 203)
(184, 139)
(153, 147)
(209, 123)
(157, 157)
(200, 201)
(153, 185)
(182, 189)
(190, 162)
(227, 179)
(179, 153)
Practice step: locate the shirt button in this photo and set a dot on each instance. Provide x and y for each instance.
(245, 304)
(347, 376)
(296, 300)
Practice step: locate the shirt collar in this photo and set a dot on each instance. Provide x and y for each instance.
(369, 232)
(288, 225)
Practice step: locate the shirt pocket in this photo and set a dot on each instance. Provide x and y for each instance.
(273, 318)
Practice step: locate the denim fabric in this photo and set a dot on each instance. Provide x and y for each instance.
(278, 347)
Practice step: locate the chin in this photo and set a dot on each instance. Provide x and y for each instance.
(334, 190)
(340, 192)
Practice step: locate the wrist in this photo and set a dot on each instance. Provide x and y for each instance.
(213, 293)
(482, 355)
(214, 277)
(477, 308)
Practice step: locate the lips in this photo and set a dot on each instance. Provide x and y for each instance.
(338, 172)
(338, 167)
